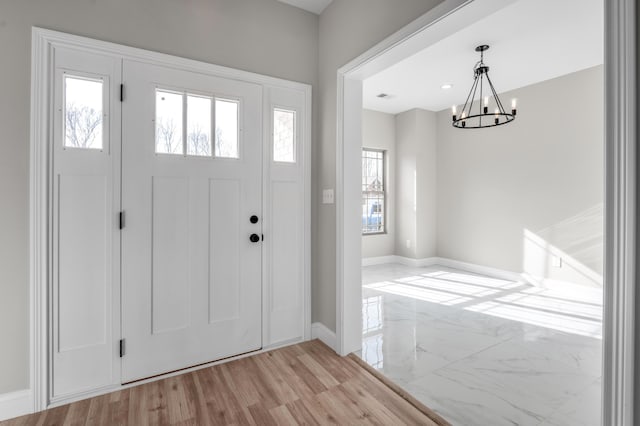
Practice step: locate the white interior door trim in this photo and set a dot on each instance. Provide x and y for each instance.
(43, 40)
(620, 204)
(439, 22)
(620, 212)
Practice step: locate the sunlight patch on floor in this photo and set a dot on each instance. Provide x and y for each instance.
(555, 309)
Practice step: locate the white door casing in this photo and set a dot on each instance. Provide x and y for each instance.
(96, 374)
(191, 277)
(619, 348)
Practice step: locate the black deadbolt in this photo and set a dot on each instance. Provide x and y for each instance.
(253, 219)
(254, 238)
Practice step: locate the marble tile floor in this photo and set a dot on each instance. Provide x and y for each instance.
(483, 351)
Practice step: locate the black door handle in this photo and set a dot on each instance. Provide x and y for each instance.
(253, 219)
(254, 238)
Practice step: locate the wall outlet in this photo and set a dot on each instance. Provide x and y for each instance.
(408, 243)
(327, 196)
(556, 261)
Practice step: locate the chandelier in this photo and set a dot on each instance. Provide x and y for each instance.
(482, 117)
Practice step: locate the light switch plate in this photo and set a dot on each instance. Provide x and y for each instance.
(327, 196)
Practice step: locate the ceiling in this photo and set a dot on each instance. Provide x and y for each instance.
(531, 41)
(315, 6)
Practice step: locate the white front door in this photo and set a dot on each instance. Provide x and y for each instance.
(191, 181)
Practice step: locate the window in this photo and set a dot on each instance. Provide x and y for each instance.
(169, 122)
(226, 128)
(284, 136)
(199, 126)
(373, 191)
(184, 125)
(83, 115)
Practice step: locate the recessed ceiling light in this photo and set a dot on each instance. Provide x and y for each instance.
(446, 86)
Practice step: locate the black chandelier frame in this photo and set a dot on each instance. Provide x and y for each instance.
(469, 120)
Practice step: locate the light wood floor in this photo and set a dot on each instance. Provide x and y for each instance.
(302, 384)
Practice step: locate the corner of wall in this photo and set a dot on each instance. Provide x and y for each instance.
(326, 336)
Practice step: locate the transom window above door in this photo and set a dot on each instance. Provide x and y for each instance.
(196, 125)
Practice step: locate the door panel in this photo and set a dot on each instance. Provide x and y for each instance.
(284, 264)
(83, 261)
(191, 278)
(224, 245)
(170, 258)
(85, 294)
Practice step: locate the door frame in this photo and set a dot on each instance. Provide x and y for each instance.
(620, 184)
(40, 211)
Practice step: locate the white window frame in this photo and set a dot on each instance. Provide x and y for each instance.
(106, 117)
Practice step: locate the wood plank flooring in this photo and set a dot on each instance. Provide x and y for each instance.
(301, 384)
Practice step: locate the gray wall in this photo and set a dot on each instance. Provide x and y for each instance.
(347, 29)
(379, 132)
(520, 198)
(415, 189)
(262, 36)
(514, 196)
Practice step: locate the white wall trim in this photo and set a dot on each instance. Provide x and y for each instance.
(481, 270)
(308, 135)
(380, 260)
(407, 261)
(15, 404)
(449, 263)
(43, 41)
(620, 212)
(326, 336)
(425, 30)
(620, 182)
(39, 211)
(473, 268)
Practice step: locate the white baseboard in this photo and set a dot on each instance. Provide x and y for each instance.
(15, 404)
(407, 261)
(480, 269)
(320, 331)
(418, 263)
(381, 260)
(450, 263)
